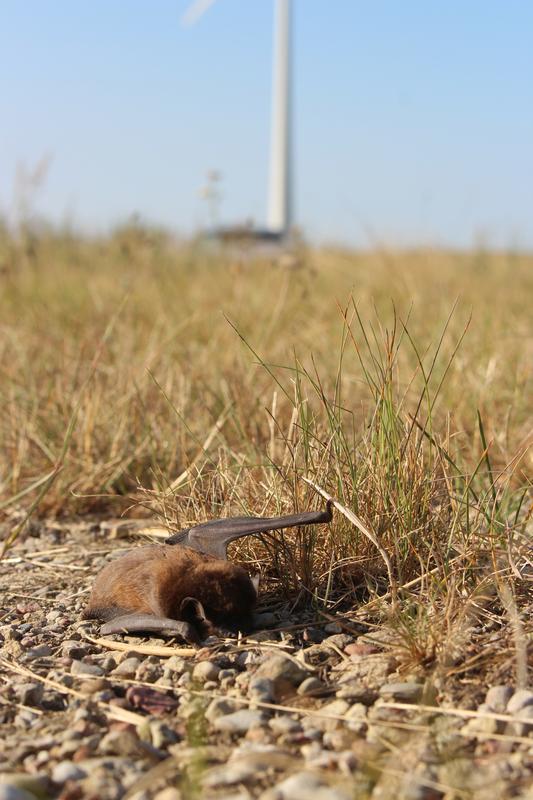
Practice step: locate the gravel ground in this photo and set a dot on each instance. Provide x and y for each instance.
(319, 709)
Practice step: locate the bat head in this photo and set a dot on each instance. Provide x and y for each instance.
(224, 600)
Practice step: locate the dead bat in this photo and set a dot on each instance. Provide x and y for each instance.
(185, 587)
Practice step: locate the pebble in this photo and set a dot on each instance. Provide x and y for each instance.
(29, 694)
(121, 743)
(29, 786)
(303, 786)
(520, 699)
(220, 706)
(161, 735)
(205, 671)
(67, 771)
(310, 686)
(10, 792)
(340, 640)
(337, 708)
(358, 693)
(356, 718)
(249, 658)
(239, 721)
(284, 673)
(333, 627)
(94, 685)
(262, 689)
(402, 692)
(227, 674)
(176, 664)
(284, 724)
(74, 649)
(497, 698)
(82, 668)
(127, 668)
(361, 649)
(371, 670)
(41, 651)
(230, 774)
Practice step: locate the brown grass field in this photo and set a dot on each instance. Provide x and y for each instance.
(142, 376)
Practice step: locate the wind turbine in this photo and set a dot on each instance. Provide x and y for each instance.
(280, 218)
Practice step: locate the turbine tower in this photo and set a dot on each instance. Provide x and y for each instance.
(280, 197)
(280, 212)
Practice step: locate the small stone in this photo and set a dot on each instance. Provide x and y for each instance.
(176, 664)
(74, 649)
(498, 697)
(29, 694)
(310, 686)
(161, 735)
(261, 689)
(108, 664)
(249, 658)
(520, 699)
(185, 680)
(82, 668)
(121, 743)
(339, 740)
(227, 674)
(333, 627)
(356, 718)
(41, 651)
(306, 785)
(93, 686)
(127, 668)
(358, 693)
(371, 670)
(522, 728)
(340, 640)
(239, 721)
(284, 724)
(229, 774)
(335, 709)
(149, 673)
(205, 671)
(361, 649)
(29, 786)
(482, 725)
(67, 771)
(10, 792)
(402, 692)
(219, 707)
(285, 674)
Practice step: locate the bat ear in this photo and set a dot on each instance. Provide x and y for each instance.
(255, 582)
(192, 609)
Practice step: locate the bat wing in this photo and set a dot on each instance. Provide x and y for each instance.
(213, 537)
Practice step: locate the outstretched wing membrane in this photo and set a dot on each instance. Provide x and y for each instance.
(213, 537)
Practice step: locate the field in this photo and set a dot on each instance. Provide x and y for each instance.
(144, 377)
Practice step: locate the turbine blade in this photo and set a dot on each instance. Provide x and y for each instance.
(196, 10)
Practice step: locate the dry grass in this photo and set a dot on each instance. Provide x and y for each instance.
(139, 373)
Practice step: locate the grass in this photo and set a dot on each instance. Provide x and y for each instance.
(142, 375)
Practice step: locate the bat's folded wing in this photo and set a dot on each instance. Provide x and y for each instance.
(213, 537)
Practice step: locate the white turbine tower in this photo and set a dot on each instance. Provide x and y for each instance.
(280, 188)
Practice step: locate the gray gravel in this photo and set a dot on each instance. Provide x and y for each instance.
(215, 720)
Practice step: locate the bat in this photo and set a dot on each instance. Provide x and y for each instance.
(186, 587)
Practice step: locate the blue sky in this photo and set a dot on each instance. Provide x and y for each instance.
(413, 120)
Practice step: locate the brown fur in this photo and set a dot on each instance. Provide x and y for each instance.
(155, 580)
